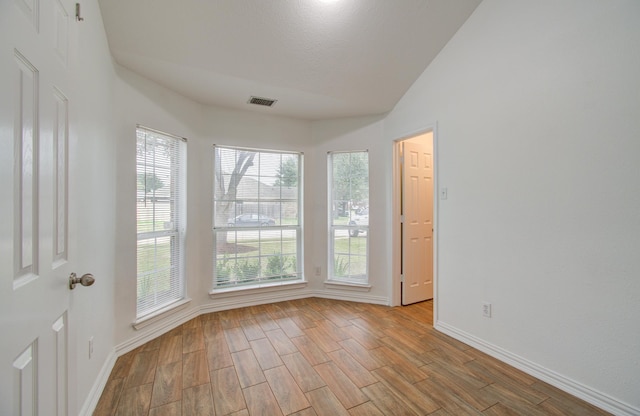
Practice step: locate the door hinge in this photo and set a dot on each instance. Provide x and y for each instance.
(402, 160)
(401, 219)
(401, 278)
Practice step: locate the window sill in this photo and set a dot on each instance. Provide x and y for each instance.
(337, 284)
(250, 289)
(160, 314)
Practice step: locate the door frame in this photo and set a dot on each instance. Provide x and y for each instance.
(396, 291)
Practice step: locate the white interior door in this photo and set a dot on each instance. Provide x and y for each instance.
(417, 211)
(36, 256)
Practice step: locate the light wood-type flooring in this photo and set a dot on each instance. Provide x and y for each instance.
(322, 357)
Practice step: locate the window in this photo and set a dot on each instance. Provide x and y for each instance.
(160, 169)
(256, 226)
(349, 222)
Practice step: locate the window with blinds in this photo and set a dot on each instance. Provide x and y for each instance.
(257, 217)
(349, 212)
(160, 203)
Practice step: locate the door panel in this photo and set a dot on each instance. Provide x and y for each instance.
(417, 210)
(35, 257)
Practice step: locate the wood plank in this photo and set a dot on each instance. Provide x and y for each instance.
(108, 403)
(359, 375)
(194, 369)
(365, 409)
(170, 350)
(321, 338)
(218, 355)
(387, 401)
(310, 350)
(169, 409)
(302, 372)
(248, 368)
(266, 322)
(252, 329)
(167, 386)
(143, 369)
(123, 364)
(265, 354)
(479, 399)
(226, 391)
(447, 399)
(305, 412)
(260, 401)
(407, 391)
(211, 330)
(348, 393)
(361, 354)
(289, 327)
(401, 365)
(236, 340)
(325, 403)
(281, 342)
(192, 340)
(136, 400)
(337, 333)
(364, 338)
(286, 391)
(197, 401)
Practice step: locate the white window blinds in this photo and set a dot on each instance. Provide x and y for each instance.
(257, 226)
(349, 212)
(160, 202)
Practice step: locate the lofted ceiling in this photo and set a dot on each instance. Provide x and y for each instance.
(319, 58)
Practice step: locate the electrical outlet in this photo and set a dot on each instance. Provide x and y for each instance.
(90, 347)
(486, 310)
(318, 270)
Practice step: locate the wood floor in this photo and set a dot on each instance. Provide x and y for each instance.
(322, 357)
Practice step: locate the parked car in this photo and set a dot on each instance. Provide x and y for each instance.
(251, 220)
(361, 218)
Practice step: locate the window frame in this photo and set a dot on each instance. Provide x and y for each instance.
(260, 281)
(359, 280)
(176, 235)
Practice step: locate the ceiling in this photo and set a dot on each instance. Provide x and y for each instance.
(319, 58)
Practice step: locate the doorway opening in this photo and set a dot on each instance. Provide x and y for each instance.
(414, 213)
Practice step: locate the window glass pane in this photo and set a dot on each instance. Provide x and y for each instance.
(256, 227)
(349, 207)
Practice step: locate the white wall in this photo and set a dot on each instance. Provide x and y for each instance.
(538, 105)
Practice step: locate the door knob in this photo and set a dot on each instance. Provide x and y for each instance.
(86, 280)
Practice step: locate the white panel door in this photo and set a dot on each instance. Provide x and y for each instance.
(417, 227)
(36, 256)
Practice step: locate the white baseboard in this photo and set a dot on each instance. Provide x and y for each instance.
(568, 385)
(351, 296)
(98, 386)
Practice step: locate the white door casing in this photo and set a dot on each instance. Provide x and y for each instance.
(36, 255)
(417, 225)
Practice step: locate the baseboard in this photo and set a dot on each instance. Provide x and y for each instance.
(98, 386)
(351, 296)
(568, 385)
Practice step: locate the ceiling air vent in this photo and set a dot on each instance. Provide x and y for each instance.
(267, 102)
